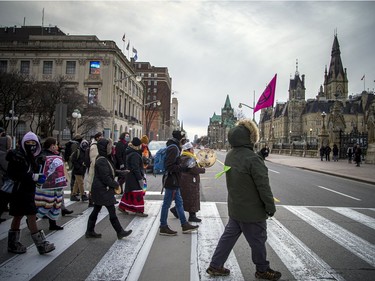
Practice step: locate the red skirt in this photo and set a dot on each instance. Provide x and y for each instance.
(133, 201)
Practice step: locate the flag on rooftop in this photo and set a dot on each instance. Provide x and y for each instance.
(135, 57)
(363, 77)
(268, 96)
(127, 47)
(134, 51)
(123, 38)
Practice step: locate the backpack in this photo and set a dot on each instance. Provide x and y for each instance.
(159, 160)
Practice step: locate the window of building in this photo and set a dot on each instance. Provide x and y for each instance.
(47, 67)
(3, 66)
(94, 67)
(25, 67)
(155, 90)
(93, 96)
(70, 67)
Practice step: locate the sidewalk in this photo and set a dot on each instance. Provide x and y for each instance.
(364, 173)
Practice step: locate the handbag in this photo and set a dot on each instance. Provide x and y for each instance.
(8, 185)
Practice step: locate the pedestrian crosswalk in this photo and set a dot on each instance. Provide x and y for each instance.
(297, 236)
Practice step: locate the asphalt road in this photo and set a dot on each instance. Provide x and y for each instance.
(323, 230)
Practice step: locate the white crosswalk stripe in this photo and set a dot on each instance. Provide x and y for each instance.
(125, 259)
(348, 240)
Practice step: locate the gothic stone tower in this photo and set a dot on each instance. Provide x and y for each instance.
(335, 80)
(296, 105)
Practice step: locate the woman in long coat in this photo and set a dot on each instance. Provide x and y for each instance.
(103, 191)
(133, 197)
(190, 181)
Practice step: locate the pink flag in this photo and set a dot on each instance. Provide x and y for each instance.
(268, 96)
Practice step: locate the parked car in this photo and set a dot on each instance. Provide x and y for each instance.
(154, 146)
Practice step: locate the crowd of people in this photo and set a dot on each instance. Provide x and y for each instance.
(354, 152)
(102, 169)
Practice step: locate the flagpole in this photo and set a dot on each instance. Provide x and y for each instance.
(364, 83)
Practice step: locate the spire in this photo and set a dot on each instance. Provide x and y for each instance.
(297, 73)
(227, 103)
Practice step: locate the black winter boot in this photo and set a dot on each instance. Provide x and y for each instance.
(193, 217)
(14, 244)
(90, 232)
(121, 233)
(41, 243)
(53, 225)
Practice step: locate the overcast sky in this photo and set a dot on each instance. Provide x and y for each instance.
(218, 48)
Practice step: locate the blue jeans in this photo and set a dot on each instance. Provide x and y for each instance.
(168, 197)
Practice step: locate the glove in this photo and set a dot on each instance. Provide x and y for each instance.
(39, 178)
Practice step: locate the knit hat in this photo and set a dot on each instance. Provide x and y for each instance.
(187, 146)
(178, 135)
(98, 135)
(144, 139)
(245, 133)
(136, 141)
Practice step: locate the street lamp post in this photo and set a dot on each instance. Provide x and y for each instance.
(147, 123)
(76, 115)
(12, 119)
(310, 135)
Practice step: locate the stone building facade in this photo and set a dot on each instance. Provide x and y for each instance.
(219, 126)
(319, 121)
(96, 68)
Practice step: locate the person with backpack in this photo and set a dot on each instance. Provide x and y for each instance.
(171, 185)
(133, 198)
(90, 158)
(48, 198)
(79, 169)
(103, 191)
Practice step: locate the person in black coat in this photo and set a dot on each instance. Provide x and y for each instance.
(103, 191)
(79, 170)
(133, 197)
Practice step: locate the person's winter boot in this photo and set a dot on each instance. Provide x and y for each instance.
(90, 232)
(84, 197)
(121, 233)
(14, 244)
(53, 225)
(41, 244)
(193, 217)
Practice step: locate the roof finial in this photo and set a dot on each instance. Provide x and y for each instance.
(297, 73)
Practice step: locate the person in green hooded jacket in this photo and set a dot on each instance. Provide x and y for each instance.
(250, 202)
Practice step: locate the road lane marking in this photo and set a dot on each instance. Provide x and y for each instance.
(300, 260)
(273, 171)
(209, 234)
(356, 216)
(126, 257)
(26, 266)
(354, 244)
(343, 194)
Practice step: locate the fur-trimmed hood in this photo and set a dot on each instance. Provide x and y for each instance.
(245, 133)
